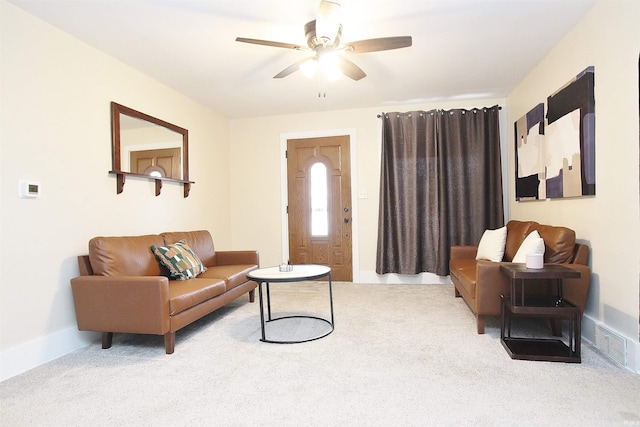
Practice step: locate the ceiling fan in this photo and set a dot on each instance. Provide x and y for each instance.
(323, 39)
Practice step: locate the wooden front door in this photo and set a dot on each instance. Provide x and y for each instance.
(166, 160)
(319, 205)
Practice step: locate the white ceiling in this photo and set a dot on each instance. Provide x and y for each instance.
(462, 49)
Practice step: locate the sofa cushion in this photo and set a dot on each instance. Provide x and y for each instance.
(200, 242)
(560, 243)
(124, 256)
(532, 244)
(491, 246)
(517, 231)
(185, 294)
(180, 260)
(233, 275)
(464, 269)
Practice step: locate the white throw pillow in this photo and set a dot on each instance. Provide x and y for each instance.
(532, 244)
(491, 246)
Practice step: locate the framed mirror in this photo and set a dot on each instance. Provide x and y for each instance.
(147, 147)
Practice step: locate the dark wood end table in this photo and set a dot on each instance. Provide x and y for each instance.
(552, 307)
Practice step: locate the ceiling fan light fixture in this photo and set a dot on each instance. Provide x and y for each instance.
(323, 36)
(309, 67)
(333, 74)
(328, 21)
(330, 66)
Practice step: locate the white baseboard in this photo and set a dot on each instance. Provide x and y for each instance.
(24, 357)
(612, 344)
(403, 279)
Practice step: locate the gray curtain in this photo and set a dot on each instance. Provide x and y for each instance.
(441, 185)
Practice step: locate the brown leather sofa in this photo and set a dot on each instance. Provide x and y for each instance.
(123, 288)
(480, 283)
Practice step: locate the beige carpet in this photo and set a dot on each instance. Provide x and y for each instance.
(400, 355)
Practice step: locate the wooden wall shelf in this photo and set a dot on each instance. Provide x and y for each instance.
(120, 180)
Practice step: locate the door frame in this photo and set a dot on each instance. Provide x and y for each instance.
(284, 194)
(126, 155)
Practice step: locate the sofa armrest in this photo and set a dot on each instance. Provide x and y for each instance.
(237, 257)
(463, 252)
(491, 282)
(131, 304)
(580, 254)
(577, 290)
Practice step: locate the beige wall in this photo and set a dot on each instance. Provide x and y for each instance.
(55, 129)
(609, 39)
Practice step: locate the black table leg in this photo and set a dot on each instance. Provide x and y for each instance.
(268, 303)
(331, 301)
(261, 309)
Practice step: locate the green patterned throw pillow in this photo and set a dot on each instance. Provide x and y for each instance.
(179, 258)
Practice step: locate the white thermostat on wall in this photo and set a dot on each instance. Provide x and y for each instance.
(28, 189)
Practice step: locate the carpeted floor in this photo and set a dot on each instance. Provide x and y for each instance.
(400, 355)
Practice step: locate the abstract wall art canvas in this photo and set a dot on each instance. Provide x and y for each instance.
(555, 146)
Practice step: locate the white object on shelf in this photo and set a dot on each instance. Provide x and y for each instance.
(535, 261)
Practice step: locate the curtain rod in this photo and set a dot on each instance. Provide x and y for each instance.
(499, 108)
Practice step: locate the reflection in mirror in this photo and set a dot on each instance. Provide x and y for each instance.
(143, 145)
(149, 149)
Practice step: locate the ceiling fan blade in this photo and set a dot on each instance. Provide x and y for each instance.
(290, 69)
(328, 21)
(270, 43)
(350, 69)
(375, 45)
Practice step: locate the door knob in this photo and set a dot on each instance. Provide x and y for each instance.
(346, 220)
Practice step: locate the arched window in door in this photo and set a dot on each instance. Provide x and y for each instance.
(319, 203)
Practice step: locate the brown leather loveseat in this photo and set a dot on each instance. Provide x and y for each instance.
(480, 283)
(124, 288)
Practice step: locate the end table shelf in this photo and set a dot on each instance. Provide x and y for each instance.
(554, 307)
(549, 349)
(539, 349)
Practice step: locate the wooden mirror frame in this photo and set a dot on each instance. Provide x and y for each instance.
(116, 111)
